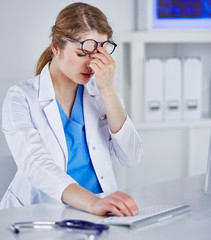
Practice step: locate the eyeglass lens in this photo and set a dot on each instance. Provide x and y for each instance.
(89, 46)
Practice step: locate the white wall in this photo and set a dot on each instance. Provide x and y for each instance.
(24, 33)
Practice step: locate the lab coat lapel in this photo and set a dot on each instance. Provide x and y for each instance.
(49, 105)
(92, 105)
(54, 120)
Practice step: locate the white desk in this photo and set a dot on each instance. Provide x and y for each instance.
(197, 225)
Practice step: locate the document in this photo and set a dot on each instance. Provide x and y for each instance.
(172, 89)
(153, 82)
(192, 88)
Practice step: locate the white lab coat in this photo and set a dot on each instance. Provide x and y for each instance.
(34, 132)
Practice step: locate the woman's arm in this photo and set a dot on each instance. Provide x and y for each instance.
(117, 203)
(28, 148)
(104, 67)
(126, 141)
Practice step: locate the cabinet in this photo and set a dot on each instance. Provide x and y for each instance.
(172, 149)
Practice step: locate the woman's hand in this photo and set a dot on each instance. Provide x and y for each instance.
(118, 203)
(104, 67)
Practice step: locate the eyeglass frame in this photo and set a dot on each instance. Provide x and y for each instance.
(82, 42)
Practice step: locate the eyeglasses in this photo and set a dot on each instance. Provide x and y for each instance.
(88, 46)
(70, 224)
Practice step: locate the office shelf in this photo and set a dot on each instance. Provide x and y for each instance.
(203, 123)
(134, 49)
(172, 149)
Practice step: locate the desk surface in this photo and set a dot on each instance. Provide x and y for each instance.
(184, 191)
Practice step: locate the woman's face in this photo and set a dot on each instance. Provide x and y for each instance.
(72, 61)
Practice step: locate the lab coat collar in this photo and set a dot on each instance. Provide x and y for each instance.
(48, 103)
(91, 88)
(46, 90)
(92, 101)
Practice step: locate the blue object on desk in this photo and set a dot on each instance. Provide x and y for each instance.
(73, 224)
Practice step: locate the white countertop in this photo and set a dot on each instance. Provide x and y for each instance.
(190, 191)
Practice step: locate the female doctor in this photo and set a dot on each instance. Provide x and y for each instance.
(63, 126)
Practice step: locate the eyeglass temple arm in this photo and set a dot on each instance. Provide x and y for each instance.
(72, 40)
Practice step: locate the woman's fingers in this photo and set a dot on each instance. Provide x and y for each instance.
(98, 63)
(121, 206)
(103, 56)
(102, 61)
(116, 211)
(104, 67)
(117, 203)
(129, 202)
(103, 52)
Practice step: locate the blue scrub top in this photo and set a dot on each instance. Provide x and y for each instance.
(79, 166)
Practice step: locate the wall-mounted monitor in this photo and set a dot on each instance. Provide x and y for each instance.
(189, 14)
(172, 14)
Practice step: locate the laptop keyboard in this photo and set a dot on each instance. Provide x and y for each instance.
(144, 213)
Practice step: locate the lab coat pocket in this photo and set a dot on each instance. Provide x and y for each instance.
(20, 190)
(10, 200)
(23, 192)
(110, 145)
(105, 133)
(103, 121)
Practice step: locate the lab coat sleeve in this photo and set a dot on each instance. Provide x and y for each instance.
(28, 148)
(126, 144)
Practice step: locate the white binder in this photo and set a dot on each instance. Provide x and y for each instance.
(192, 108)
(172, 89)
(153, 82)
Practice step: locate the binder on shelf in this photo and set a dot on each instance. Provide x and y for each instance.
(153, 86)
(172, 89)
(192, 108)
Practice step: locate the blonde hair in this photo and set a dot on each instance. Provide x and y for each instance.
(73, 20)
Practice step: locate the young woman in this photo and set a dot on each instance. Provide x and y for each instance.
(63, 126)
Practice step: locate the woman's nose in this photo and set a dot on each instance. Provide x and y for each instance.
(89, 58)
(88, 64)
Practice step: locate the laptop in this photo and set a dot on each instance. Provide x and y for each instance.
(208, 175)
(148, 215)
(155, 214)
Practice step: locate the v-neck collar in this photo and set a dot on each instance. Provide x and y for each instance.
(77, 110)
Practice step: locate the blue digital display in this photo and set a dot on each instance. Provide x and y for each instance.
(183, 9)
